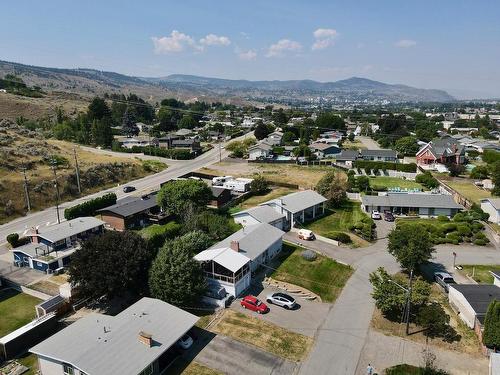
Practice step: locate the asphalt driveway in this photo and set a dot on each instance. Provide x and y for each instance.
(304, 320)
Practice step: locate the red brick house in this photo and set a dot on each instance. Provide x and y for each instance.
(444, 150)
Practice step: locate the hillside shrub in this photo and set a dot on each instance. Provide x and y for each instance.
(90, 207)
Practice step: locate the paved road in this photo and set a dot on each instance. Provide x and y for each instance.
(176, 168)
(368, 143)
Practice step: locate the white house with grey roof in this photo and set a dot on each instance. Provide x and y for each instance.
(260, 214)
(139, 340)
(301, 206)
(51, 247)
(420, 204)
(492, 207)
(230, 262)
(260, 150)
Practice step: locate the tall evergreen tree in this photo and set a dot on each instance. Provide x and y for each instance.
(129, 127)
(491, 335)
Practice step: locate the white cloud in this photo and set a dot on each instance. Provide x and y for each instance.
(215, 40)
(175, 42)
(405, 43)
(324, 38)
(247, 55)
(283, 45)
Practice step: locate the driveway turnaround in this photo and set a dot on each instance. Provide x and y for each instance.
(236, 358)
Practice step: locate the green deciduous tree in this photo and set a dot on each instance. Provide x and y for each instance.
(181, 197)
(333, 187)
(407, 146)
(187, 122)
(410, 244)
(330, 120)
(480, 172)
(111, 264)
(175, 277)
(261, 131)
(491, 335)
(495, 177)
(259, 185)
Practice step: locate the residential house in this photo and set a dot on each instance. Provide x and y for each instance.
(259, 151)
(492, 207)
(137, 141)
(191, 144)
(379, 155)
(220, 196)
(260, 214)
(275, 138)
(132, 212)
(330, 137)
(166, 141)
(229, 263)
(139, 340)
(419, 204)
(444, 150)
(481, 146)
(51, 247)
(347, 157)
(299, 207)
(324, 150)
(471, 302)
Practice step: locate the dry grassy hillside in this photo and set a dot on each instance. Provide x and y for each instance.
(21, 147)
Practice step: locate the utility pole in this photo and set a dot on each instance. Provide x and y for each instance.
(56, 185)
(77, 172)
(408, 304)
(26, 190)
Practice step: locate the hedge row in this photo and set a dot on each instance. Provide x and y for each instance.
(175, 153)
(385, 165)
(90, 207)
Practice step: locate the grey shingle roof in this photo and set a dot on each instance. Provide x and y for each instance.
(296, 202)
(349, 155)
(411, 200)
(264, 214)
(261, 146)
(495, 202)
(379, 153)
(253, 239)
(445, 146)
(69, 228)
(105, 345)
(478, 296)
(129, 206)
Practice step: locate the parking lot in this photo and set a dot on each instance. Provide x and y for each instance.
(306, 319)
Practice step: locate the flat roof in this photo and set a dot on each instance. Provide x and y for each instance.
(253, 239)
(69, 228)
(479, 296)
(380, 153)
(131, 205)
(108, 345)
(301, 200)
(411, 200)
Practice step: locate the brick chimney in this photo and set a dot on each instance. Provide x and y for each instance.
(235, 245)
(146, 338)
(34, 235)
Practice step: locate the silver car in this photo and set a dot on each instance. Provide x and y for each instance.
(281, 299)
(444, 279)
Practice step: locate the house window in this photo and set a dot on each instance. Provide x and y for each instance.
(68, 369)
(147, 371)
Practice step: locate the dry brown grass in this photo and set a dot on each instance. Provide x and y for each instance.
(468, 343)
(197, 369)
(264, 335)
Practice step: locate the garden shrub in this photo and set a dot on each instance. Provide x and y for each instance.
(450, 227)
(340, 236)
(443, 218)
(13, 239)
(309, 255)
(90, 207)
(480, 242)
(464, 230)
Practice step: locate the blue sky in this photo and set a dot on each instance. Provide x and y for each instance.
(448, 44)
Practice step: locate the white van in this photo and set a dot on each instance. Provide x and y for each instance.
(306, 234)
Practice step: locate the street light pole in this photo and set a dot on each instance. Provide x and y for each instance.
(408, 300)
(56, 185)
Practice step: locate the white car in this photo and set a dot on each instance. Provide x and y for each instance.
(376, 215)
(444, 279)
(185, 342)
(281, 299)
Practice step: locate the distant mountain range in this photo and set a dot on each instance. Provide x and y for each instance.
(92, 82)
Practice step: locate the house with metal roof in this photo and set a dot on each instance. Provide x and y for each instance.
(446, 150)
(139, 340)
(471, 302)
(132, 212)
(419, 204)
(492, 207)
(51, 247)
(229, 263)
(301, 206)
(260, 214)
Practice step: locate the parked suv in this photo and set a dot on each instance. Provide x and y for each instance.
(281, 299)
(376, 215)
(388, 216)
(444, 279)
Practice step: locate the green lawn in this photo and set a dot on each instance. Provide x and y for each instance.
(339, 220)
(322, 276)
(255, 200)
(410, 370)
(16, 310)
(481, 273)
(394, 182)
(469, 190)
